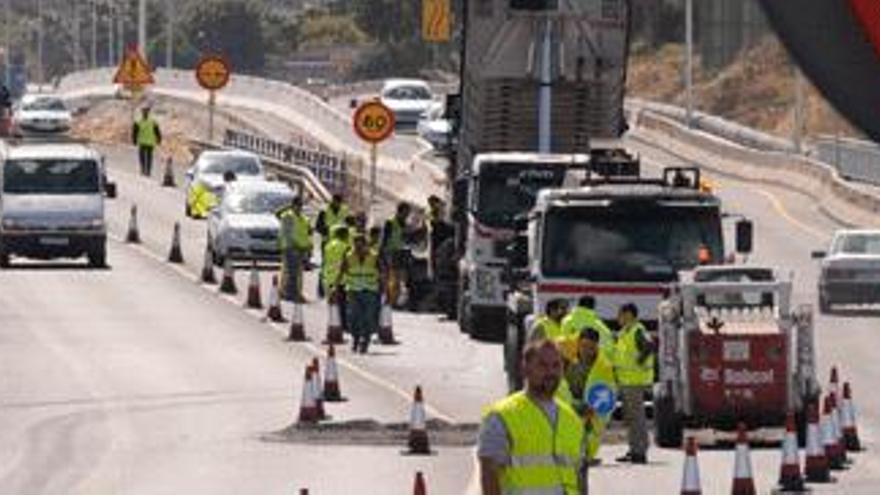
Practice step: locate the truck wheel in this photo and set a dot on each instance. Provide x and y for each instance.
(668, 428)
(463, 313)
(513, 345)
(98, 256)
(487, 326)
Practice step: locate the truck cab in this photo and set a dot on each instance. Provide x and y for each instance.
(52, 202)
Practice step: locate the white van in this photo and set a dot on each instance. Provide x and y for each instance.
(52, 202)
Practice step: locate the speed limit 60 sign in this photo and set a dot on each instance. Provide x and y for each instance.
(373, 122)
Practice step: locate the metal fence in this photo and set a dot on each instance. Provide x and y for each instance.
(854, 159)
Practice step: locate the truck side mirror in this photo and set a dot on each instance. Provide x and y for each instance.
(744, 236)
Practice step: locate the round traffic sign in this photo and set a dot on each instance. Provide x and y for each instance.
(213, 72)
(601, 398)
(373, 122)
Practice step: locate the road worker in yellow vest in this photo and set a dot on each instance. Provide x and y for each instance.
(362, 274)
(592, 388)
(532, 442)
(333, 215)
(634, 368)
(295, 243)
(549, 326)
(331, 264)
(146, 135)
(584, 315)
(394, 251)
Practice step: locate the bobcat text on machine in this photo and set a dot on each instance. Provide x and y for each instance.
(732, 349)
(619, 239)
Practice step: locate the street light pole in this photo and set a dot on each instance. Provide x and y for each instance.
(6, 46)
(689, 61)
(799, 111)
(40, 74)
(142, 27)
(77, 39)
(111, 39)
(169, 39)
(94, 51)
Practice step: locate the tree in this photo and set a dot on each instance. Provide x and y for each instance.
(233, 28)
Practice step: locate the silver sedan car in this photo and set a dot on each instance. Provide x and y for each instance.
(850, 269)
(244, 226)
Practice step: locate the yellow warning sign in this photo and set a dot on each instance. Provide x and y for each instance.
(436, 20)
(134, 70)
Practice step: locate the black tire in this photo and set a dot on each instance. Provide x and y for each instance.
(187, 210)
(824, 305)
(513, 345)
(801, 423)
(668, 427)
(4, 258)
(487, 325)
(463, 311)
(98, 256)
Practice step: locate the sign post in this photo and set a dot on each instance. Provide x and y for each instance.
(213, 73)
(373, 122)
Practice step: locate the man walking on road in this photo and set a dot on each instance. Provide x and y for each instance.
(295, 243)
(532, 442)
(145, 134)
(634, 367)
(362, 275)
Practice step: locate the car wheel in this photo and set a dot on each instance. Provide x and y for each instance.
(4, 258)
(824, 304)
(98, 256)
(187, 210)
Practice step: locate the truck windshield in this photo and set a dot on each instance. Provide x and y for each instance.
(51, 177)
(642, 242)
(505, 190)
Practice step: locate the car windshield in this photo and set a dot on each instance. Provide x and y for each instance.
(408, 93)
(52, 104)
(51, 177)
(257, 203)
(858, 244)
(240, 164)
(629, 242)
(505, 190)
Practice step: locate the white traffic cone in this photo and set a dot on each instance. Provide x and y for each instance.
(254, 301)
(849, 421)
(790, 478)
(133, 236)
(334, 326)
(418, 428)
(829, 437)
(836, 422)
(332, 390)
(208, 277)
(274, 313)
(227, 285)
(386, 323)
(816, 467)
(297, 331)
(690, 477)
(317, 388)
(308, 409)
(743, 481)
(175, 255)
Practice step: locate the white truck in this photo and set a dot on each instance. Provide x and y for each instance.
(52, 201)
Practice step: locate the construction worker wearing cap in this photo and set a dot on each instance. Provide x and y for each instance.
(549, 326)
(634, 369)
(146, 135)
(362, 275)
(295, 244)
(202, 199)
(584, 315)
(393, 251)
(532, 442)
(592, 387)
(334, 253)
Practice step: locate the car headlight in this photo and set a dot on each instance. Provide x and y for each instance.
(485, 283)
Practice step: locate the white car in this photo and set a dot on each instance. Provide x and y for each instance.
(42, 113)
(850, 269)
(408, 99)
(244, 226)
(434, 128)
(210, 167)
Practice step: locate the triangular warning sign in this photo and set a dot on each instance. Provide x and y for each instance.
(134, 70)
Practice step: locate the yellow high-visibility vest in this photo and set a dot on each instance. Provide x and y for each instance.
(626, 361)
(580, 318)
(362, 274)
(147, 134)
(334, 254)
(296, 233)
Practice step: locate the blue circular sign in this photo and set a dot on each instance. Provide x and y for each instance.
(601, 398)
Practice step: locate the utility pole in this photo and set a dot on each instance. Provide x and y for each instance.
(77, 45)
(111, 29)
(121, 11)
(797, 134)
(689, 61)
(169, 34)
(142, 27)
(94, 51)
(40, 73)
(7, 57)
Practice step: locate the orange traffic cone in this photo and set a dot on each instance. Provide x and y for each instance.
(308, 409)
(208, 277)
(297, 331)
(790, 478)
(334, 327)
(332, 391)
(816, 468)
(838, 429)
(690, 478)
(829, 437)
(227, 285)
(743, 482)
(176, 254)
(317, 388)
(419, 485)
(386, 330)
(133, 236)
(274, 313)
(418, 428)
(254, 301)
(849, 422)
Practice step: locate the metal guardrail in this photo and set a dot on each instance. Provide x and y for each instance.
(854, 159)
